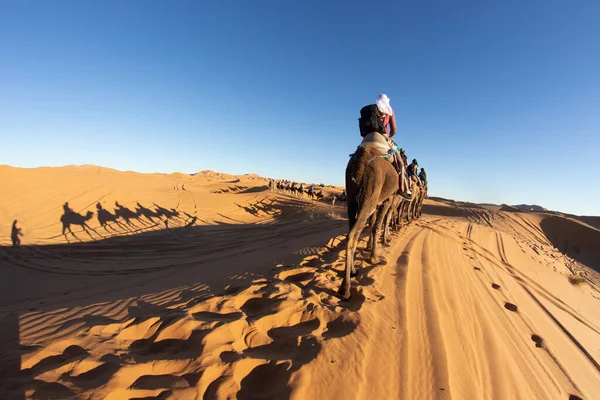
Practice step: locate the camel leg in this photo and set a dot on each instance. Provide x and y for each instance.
(372, 221)
(411, 210)
(394, 222)
(386, 225)
(366, 209)
(395, 219)
(376, 229)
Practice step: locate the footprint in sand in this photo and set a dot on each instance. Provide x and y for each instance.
(165, 381)
(70, 354)
(267, 381)
(477, 268)
(539, 342)
(297, 276)
(339, 327)
(495, 286)
(213, 316)
(166, 349)
(258, 306)
(574, 397)
(510, 307)
(300, 329)
(95, 377)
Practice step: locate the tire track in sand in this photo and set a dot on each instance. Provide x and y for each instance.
(426, 375)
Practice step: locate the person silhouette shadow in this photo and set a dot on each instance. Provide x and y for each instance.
(15, 233)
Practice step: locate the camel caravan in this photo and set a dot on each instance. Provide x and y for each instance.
(380, 184)
(297, 189)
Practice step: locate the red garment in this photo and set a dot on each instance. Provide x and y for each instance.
(390, 123)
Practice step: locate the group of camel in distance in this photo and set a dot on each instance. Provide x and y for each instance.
(298, 189)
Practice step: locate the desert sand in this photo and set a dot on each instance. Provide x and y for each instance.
(218, 288)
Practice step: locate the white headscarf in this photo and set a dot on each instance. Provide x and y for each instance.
(383, 103)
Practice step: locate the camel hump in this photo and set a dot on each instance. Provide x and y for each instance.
(375, 140)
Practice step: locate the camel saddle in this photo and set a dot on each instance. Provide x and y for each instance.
(378, 141)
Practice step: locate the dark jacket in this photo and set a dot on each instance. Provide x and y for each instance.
(412, 169)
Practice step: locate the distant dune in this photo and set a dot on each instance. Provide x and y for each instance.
(571, 237)
(530, 207)
(212, 286)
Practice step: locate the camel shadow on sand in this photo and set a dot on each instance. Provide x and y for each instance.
(121, 221)
(289, 344)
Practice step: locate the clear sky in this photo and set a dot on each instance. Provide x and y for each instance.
(499, 100)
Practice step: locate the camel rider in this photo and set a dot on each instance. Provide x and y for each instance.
(412, 169)
(389, 122)
(423, 177)
(389, 118)
(404, 158)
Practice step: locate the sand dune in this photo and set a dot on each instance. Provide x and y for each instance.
(216, 287)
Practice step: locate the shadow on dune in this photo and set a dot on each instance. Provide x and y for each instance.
(161, 306)
(231, 189)
(261, 206)
(446, 211)
(256, 189)
(574, 239)
(10, 358)
(100, 272)
(592, 221)
(71, 217)
(120, 221)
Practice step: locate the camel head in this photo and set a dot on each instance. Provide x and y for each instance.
(89, 215)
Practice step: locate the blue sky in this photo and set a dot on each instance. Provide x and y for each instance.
(498, 100)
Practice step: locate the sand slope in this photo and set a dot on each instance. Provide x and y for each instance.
(223, 289)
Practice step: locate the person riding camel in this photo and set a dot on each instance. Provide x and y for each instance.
(412, 169)
(423, 177)
(404, 158)
(389, 123)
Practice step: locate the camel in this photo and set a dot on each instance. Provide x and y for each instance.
(422, 198)
(70, 217)
(339, 198)
(371, 181)
(416, 194)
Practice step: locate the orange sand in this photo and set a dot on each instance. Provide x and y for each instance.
(227, 290)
